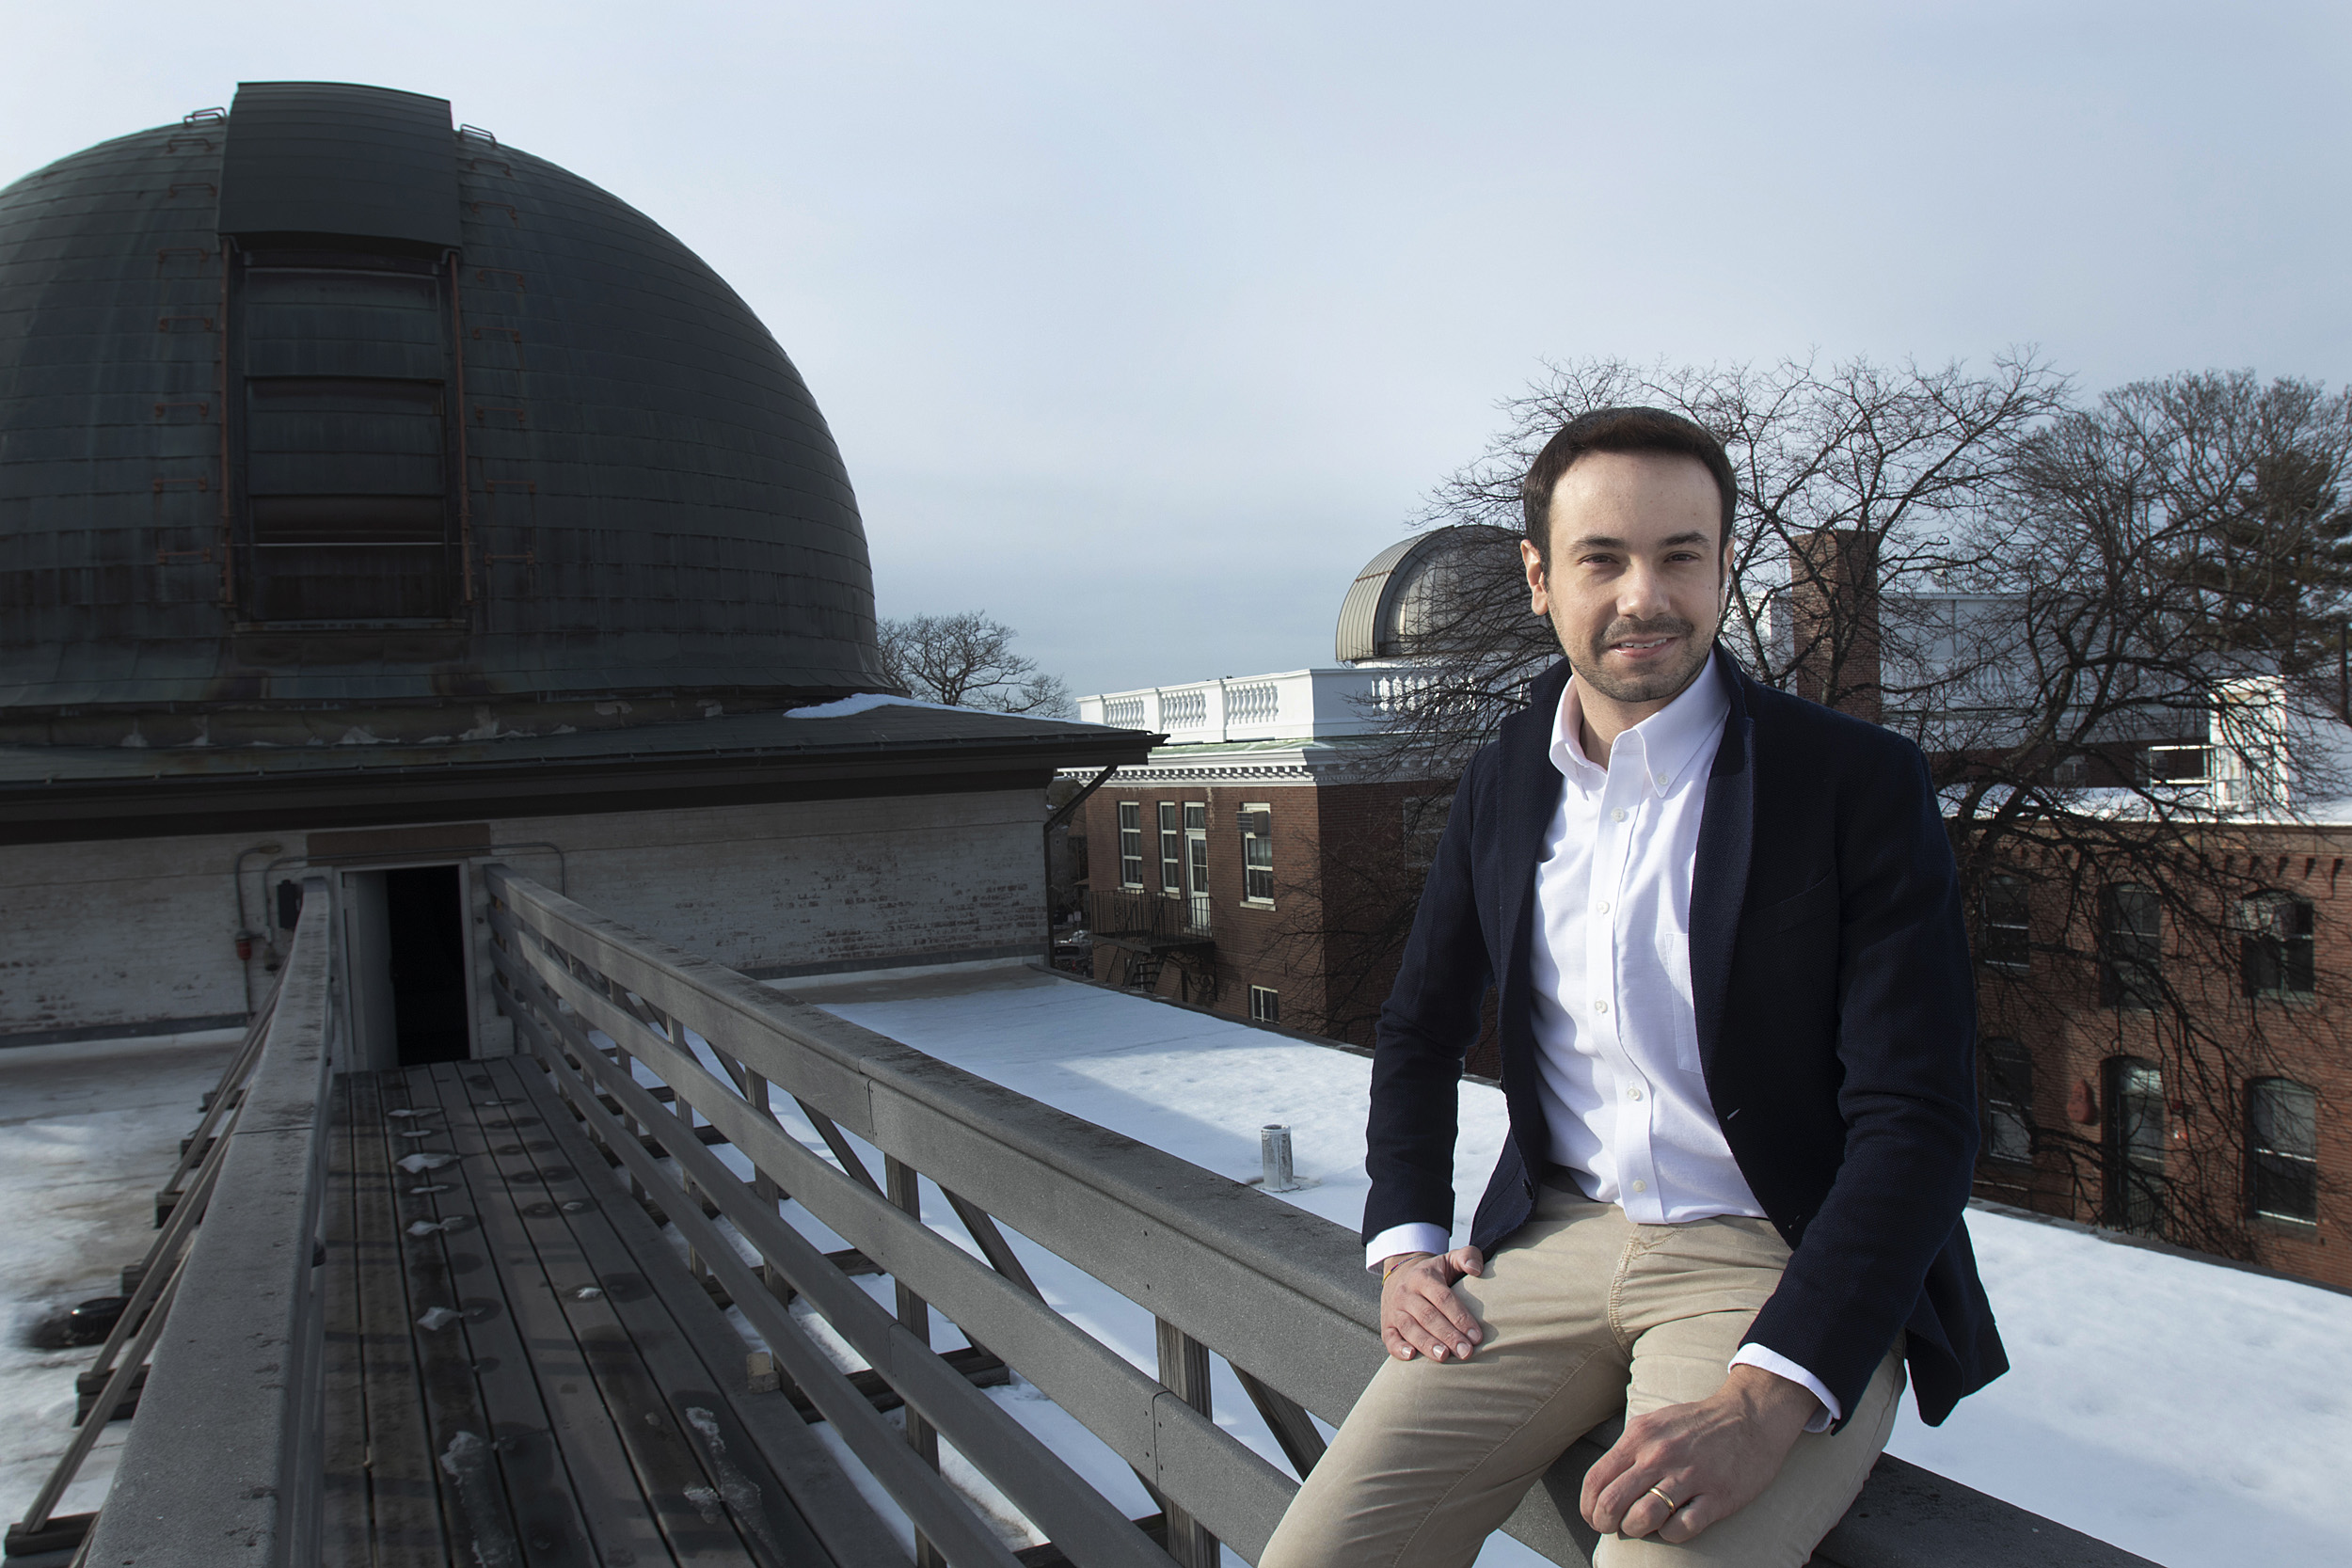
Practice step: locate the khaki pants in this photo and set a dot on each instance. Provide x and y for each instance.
(1587, 1315)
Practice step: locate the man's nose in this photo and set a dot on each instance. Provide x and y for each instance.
(1642, 594)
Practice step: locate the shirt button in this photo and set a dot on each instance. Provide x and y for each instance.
(1600, 907)
(1633, 1094)
(1660, 778)
(1641, 1186)
(1601, 1006)
(1618, 814)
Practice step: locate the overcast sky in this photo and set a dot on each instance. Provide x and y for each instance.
(1142, 327)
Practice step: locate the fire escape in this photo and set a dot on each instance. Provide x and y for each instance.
(1150, 929)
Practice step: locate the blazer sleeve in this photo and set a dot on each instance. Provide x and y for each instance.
(1426, 1028)
(1906, 1033)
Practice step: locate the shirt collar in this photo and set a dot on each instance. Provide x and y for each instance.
(1664, 744)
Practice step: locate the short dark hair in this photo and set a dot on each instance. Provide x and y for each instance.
(1622, 430)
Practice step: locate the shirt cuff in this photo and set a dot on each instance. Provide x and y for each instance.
(1780, 1365)
(1420, 1236)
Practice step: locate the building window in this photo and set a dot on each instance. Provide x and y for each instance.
(1265, 1004)
(2008, 1101)
(2005, 934)
(2275, 952)
(2135, 1145)
(1257, 854)
(1171, 850)
(2282, 1150)
(1425, 825)
(1197, 903)
(2131, 967)
(1130, 844)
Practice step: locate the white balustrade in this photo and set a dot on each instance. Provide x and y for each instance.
(1184, 709)
(1253, 703)
(1296, 704)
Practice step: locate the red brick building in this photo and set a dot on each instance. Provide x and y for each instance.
(1250, 885)
(2170, 1061)
(1265, 860)
(2155, 1066)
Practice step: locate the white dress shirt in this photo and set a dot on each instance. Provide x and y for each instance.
(1617, 1037)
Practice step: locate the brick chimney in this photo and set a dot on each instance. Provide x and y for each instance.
(1834, 619)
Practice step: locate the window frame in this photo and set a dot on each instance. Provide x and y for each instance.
(2006, 1099)
(1198, 903)
(1258, 874)
(2289, 956)
(2136, 1195)
(2131, 960)
(1169, 822)
(2300, 1166)
(1265, 1004)
(1131, 844)
(2013, 951)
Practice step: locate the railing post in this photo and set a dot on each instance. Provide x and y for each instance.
(764, 1187)
(1185, 1373)
(694, 1264)
(915, 1316)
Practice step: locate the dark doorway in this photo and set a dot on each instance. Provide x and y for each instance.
(425, 918)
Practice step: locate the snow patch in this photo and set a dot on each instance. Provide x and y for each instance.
(866, 702)
(2187, 1412)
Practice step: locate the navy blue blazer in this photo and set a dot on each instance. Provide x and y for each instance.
(1837, 1026)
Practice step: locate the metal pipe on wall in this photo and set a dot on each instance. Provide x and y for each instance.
(1061, 815)
(245, 930)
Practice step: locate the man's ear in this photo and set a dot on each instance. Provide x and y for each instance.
(1531, 560)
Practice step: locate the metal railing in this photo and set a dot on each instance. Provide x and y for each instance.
(224, 1321)
(1115, 913)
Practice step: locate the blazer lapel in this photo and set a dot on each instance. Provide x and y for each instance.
(1719, 881)
(1529, 796)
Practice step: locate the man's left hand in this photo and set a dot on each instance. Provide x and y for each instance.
(1713, 1457)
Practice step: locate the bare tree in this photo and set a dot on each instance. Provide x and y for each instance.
(967, 661)
(2117, 631)
(1856, 482)
(2128, 706)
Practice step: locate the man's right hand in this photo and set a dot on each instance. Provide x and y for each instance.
(1419, 1314)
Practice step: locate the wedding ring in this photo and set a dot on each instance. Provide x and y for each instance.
(1671, 1504)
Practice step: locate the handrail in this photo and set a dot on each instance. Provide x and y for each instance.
(1280, 1293)
(235, 1373)
(548, 945)
(141, 1319)
(1115, 913)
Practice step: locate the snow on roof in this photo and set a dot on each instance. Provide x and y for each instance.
(863, 702)
(2186, 1411)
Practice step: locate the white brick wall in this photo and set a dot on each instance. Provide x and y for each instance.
(117, 934)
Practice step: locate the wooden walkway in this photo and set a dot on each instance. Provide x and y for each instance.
(520, 1370)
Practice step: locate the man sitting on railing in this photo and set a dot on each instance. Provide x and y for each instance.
(1737, 1025)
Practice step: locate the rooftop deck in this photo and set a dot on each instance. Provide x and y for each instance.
(519, 1368)
(431, 1318)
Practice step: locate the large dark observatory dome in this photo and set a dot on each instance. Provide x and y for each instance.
(323, 404)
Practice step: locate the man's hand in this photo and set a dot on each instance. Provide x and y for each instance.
(1713, 1457)
(1419, 1314)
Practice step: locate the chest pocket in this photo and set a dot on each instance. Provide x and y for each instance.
(1816, 905)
